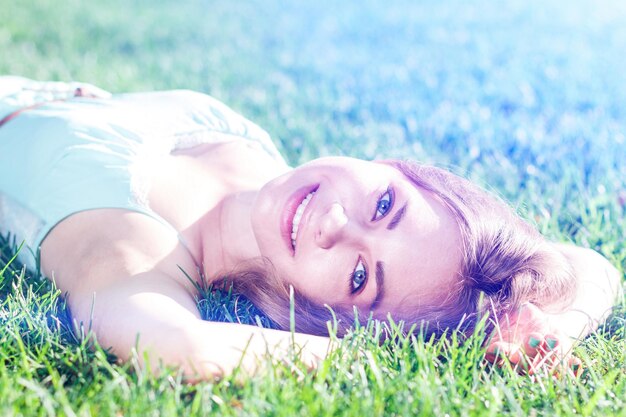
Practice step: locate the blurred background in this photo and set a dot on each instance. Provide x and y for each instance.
(526, 97)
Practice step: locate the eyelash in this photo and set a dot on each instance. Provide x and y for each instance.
(380, 198)
(351, 277)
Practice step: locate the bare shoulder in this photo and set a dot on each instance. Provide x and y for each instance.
(91, 249)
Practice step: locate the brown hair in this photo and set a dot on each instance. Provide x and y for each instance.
(506, 263)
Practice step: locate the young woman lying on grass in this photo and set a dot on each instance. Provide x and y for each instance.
(127, 197)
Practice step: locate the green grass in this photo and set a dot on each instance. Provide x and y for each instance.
(526, 99)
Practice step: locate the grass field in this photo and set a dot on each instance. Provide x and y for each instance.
(525, 97)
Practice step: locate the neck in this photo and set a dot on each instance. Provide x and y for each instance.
(226, 235)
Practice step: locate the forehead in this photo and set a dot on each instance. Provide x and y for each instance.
(422, 256)
(358, 170)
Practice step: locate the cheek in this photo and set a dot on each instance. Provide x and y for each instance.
(261, 233)
(312, 279)
(265, 221)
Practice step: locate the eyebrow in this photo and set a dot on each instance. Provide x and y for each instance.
(380, 285)
(396, 218)
(380, 266)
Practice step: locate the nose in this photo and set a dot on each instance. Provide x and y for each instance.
(331, 226)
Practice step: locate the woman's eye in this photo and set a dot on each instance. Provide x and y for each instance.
(358, 278)
(384, 204)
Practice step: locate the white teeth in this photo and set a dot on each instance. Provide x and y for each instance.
(297, 217)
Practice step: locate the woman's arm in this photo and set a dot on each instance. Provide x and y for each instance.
(157, 316)
(599, 289)
(121, 271)
(534, 338)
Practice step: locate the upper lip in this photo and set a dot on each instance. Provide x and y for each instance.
(289, 211)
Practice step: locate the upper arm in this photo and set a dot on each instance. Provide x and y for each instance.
(149, 311)
(598, 290)
(125, 284)
(593, 272)
(155, 315)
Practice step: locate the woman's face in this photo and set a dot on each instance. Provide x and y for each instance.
(347, 232)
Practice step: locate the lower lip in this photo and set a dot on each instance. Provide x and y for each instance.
(289, 211)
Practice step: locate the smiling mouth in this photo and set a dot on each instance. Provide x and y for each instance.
(295, 222)
(293, 215)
